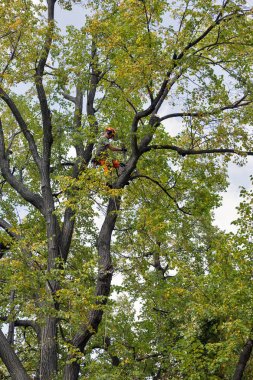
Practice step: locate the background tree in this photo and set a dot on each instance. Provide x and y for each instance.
(133, 65)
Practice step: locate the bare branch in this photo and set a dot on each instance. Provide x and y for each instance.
(183, 18)
(163, 189)
(163, 92)
(22, 124)
(169, 86)
(12, 56)
(12, 139)
(7, 33)
(238, 103)
(190, 152)
(29, 196)
(219, 19)
(121, 89)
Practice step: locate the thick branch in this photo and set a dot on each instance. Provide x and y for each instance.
(78, 124)
(24, 323)
(69, 97)
(11, 328)
(11, 361)
(115, 359)
(106, 346)
(8, 228)
(95, 77)
(46, 121)
(189, 152)
(30, 197)
(67, 232)
(124, 178)
(244, 357)
(77, 100)
(45, 111)
(69, 216)
(167, 90)
(48, 39)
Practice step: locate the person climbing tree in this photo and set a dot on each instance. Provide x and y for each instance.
(101, 156)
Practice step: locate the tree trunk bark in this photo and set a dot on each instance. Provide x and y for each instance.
(48, 364)
(244, 357)
(48, 353)
(105, 270)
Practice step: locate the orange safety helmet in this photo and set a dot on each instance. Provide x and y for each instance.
(111, 131)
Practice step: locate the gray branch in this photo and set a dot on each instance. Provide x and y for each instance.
(190, 152)
(28, 195)
(243, 360)
(11, 361)
(8, 228)
(23, 126)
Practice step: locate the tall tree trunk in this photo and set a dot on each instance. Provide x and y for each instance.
(105, 270)
(244, 357)
(48, 364)
(48, 354)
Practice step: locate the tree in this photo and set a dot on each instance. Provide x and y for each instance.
(134, 65)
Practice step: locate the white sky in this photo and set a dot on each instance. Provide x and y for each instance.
(238, 176)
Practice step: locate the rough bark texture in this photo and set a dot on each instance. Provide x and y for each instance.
(104, 278)
(48, 364)
(244, 357)
(11, 361)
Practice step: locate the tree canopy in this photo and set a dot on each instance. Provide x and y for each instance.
(173, 78)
